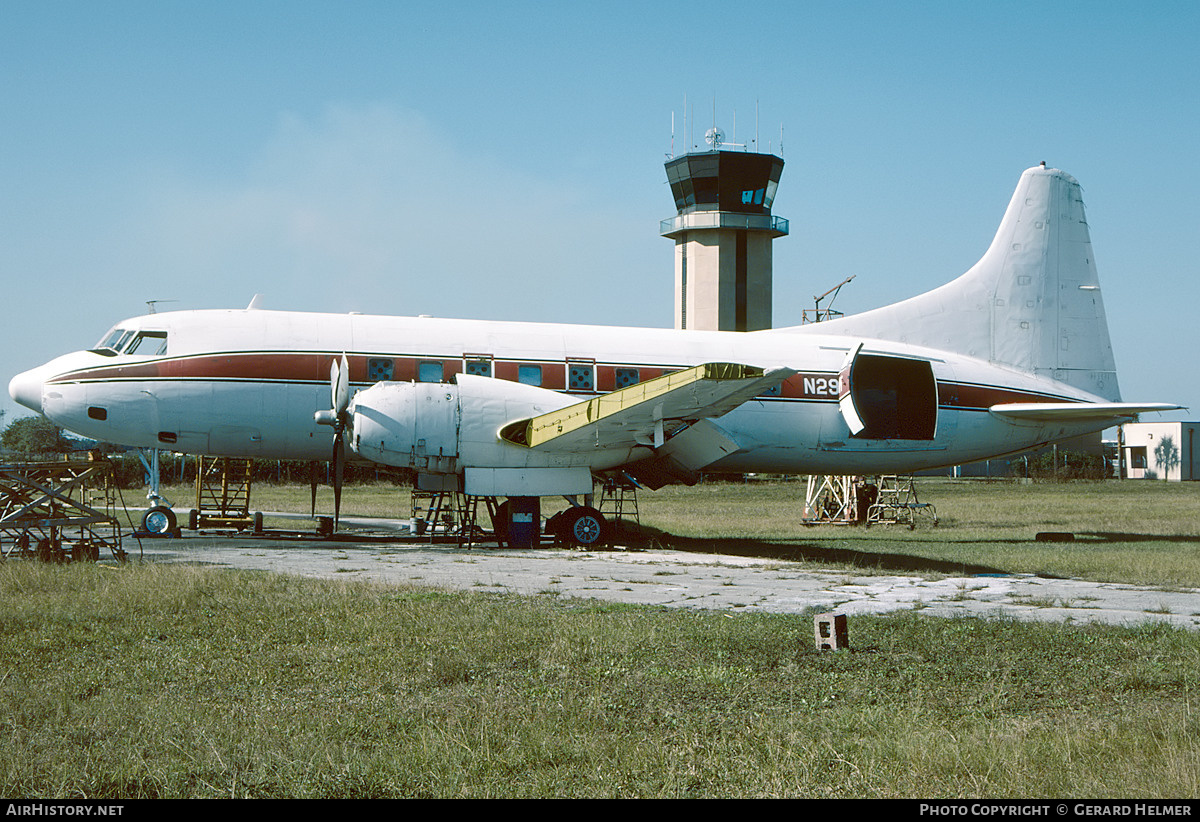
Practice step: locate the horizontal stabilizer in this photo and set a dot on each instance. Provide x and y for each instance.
(646, 413)
(1077, 411)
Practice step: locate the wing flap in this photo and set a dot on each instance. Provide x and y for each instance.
(646, 413)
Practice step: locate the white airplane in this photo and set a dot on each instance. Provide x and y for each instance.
(1011, 355)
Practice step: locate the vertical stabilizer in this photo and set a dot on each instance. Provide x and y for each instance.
(1032, 302)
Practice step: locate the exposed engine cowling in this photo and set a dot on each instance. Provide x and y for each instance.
(423, 426)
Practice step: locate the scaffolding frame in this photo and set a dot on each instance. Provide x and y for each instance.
(897, 504)
(449, 514)
(618, 499)
(832, 499)
(223, 487)
(887, 499)
(59, 511)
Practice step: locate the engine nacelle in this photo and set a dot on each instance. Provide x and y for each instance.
(443, 428)
(408, 425)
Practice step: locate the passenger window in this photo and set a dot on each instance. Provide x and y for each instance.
(380, 369)
(581, 376)
(429, 372)
(627, 377)
(480, 368)
(529, 374)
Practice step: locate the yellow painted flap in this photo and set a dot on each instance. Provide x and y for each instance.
(638, 414)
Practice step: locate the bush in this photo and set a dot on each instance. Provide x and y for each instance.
(1064, 466)
(128, 471)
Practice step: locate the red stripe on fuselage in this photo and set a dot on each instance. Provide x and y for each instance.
(314, 367)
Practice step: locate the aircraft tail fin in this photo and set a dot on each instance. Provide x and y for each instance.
(1032, 302)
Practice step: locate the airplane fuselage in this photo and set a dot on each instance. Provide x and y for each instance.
(247, 384)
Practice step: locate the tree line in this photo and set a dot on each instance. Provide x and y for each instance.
(37, 437)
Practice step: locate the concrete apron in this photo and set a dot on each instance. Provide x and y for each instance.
(680, 579)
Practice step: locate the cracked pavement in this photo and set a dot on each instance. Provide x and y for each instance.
(680, 579)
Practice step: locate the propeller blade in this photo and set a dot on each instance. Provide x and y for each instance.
(312, 485)
(340, 381)
(339, 467)
(334, 372)
(339, 418)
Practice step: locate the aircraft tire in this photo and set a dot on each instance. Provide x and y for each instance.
(158, 520)
(583, 526)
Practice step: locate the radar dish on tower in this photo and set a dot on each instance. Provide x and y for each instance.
(714, 137)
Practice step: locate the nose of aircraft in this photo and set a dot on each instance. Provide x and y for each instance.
(26, 388)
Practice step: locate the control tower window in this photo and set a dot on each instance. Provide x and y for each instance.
(706, 190)
(769, 196)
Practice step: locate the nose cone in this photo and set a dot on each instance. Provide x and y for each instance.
(26, 388)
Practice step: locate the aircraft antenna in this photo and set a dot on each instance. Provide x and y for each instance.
(827, 313)
(153, 303)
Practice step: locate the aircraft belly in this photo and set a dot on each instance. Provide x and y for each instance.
(814, 438)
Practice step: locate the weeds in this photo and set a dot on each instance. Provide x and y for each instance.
(152, 681)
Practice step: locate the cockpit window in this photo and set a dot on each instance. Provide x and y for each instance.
(127, 341)
(115, 339)
(150, 343)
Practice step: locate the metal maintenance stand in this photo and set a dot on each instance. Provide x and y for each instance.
(837, 500)
(449, 514)
(897, 504)
(223, 494)
(59, 511)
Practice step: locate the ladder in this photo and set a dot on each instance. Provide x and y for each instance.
(897, 504)
(618, 500)
(223, 493)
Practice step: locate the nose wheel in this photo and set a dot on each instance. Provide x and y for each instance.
(158, 520)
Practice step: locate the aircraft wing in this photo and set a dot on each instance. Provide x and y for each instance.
(646, 413)
(1076, 411)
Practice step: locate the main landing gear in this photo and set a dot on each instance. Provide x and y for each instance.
(581, 526)
(516, 522)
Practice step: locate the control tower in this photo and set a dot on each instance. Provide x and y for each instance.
(723, 232)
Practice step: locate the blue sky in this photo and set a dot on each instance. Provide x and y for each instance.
(505, 160)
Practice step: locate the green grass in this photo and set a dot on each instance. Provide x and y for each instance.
(1143, 533)
(167, 681)
(1135, 532)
